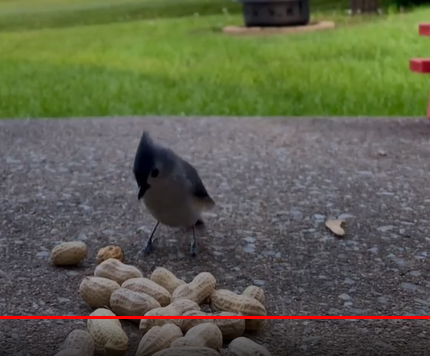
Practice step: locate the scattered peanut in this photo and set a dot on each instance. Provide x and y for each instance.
(203, 335)
(230, 328)
(255, 292)
(120, 289)
(126, 302)
(81, 341)
(110, 251)
(106, 312)
(176, 308)
(226, 300)
(69, 253)
(243, 346)
(117, 271)
(255, 324)
(199, 289)
(166, 279)
(96, 291)
(187, 324)
(187, 351)
(69, 352)
(258, 294)
(109, 337)
(147, 286)
(158, 338)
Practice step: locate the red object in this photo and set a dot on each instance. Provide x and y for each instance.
(424, 29)
(422, 65)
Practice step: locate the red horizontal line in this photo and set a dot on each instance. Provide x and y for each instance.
(216, 317)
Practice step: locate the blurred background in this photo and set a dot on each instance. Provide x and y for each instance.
(170, 57)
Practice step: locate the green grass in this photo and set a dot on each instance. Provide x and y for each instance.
(36, 14)
(186, 66)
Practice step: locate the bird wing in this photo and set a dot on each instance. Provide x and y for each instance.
(197, 187)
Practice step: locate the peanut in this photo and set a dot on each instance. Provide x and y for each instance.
(117, 271)
(258, 294)
(158, 338)
(203, 335)
(226, 300)
(243, 346)
(69, 253)
(230, 328)
(187, 351)
(254, 324)
(187, 324)
(109, 337)
(103, 312)
(255, 292)
(69, 352)
(79, 340)
(106, 312)
(199, 289)
(126, 302)
(149, 287)
(166, 279)
(176, 308)
(96, 291)
(110, 251)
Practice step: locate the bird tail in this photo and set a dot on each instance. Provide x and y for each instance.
(208, 203)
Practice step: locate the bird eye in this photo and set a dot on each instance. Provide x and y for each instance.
(154, 173)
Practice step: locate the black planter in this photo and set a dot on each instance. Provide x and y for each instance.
(275, 13)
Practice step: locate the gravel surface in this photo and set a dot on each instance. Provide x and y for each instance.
(275, 182)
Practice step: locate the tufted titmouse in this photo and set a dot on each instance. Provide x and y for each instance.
(171, 189)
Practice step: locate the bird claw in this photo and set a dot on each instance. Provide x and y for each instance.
(149, 248)
(146, 250)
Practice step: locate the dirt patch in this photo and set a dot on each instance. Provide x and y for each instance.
(241, 30)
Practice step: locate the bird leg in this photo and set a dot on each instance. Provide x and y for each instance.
(199, 222)
(148, 248)
(193, 249)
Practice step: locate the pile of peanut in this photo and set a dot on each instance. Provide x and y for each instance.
(120, 289)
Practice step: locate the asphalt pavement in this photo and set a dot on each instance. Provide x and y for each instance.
(275, 181)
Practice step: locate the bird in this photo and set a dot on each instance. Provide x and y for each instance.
(171, 189)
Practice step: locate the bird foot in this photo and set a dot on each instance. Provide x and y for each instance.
(146, 250)
(193, 249)
(149, 248)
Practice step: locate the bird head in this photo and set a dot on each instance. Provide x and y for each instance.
(144, 163)
(152, 164)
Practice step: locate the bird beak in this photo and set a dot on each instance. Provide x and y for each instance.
(142, 191)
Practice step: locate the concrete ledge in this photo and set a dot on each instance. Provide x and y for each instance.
(241, 30)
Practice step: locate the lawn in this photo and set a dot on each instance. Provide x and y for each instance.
(55, 63)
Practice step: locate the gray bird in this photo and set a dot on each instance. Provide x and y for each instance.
(170, 187)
